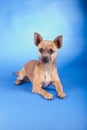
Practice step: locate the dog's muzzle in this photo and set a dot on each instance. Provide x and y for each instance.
(45, 59)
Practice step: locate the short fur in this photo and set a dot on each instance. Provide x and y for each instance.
(42, 72)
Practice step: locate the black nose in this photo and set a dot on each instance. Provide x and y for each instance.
(45, 59)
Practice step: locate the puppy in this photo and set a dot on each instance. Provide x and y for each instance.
(43, 72)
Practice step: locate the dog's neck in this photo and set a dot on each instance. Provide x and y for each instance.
(48, 67)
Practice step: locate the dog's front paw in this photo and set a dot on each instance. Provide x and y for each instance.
(48, 96)
(61, 94)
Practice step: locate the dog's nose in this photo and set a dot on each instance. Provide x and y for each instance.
(45, 59)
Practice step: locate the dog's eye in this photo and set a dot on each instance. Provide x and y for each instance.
(41, 50)
(51, 51)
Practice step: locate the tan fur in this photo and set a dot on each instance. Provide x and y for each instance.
(42, 74)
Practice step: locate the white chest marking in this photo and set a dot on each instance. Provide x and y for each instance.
(47, 79)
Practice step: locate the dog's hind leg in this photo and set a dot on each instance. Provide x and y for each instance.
(21, 76)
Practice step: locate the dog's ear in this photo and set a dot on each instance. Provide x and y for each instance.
(58, 41)
(37, 38)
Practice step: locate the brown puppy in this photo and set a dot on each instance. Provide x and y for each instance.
(43, 72)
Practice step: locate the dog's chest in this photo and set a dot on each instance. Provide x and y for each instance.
(47, 78)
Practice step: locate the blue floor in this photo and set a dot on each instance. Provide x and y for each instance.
(20, 109)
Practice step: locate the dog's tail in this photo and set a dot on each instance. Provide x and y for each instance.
(16, 73)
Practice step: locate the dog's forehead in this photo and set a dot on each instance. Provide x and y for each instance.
(46, 44)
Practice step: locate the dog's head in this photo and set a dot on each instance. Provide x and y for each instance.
(47, 50)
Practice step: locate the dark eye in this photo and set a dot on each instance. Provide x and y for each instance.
(51, 51)
(41, 50)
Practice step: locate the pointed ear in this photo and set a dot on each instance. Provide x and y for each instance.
(37, 38)
(58, 41)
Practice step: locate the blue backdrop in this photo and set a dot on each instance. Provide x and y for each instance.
(20, 109)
